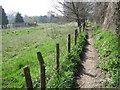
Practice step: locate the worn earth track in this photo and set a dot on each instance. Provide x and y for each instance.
(89, 75)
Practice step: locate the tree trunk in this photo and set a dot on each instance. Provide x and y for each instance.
(79, 24)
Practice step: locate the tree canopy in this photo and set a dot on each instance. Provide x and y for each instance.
(4, 18)
(19, 18)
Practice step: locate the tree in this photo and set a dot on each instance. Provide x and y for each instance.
(43, 19)
(4, 19)
(76, 11)
(118, 19)
(100, 9)
(0, 15)
(107, 14)
(52, 17)
(19, 18)
(31, 19)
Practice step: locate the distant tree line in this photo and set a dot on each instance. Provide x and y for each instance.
(16, 17)
(51, 17)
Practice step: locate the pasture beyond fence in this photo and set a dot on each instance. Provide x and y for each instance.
(42, 64)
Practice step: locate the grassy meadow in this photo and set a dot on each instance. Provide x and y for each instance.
(19, 48)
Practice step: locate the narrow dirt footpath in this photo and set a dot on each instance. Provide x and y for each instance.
(90, 76)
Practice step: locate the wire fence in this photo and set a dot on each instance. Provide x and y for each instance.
(62, 53)
(15, 78)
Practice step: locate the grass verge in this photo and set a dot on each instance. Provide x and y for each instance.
(108, 47)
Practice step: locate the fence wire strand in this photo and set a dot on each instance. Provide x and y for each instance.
(14, 79)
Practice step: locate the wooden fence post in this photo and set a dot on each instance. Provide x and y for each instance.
(28, 78)
(57, 57)
(76, 34)
(69, 43)
(42, 69)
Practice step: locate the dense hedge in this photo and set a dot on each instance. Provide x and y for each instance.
(108, 47)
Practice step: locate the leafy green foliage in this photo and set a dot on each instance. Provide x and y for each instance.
(65, 77)
(68, 67)
(108, 46)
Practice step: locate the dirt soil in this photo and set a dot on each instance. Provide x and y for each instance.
(90, 76)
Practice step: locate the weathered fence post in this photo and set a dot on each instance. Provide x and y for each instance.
(28, 78)
(57, 57)
(76, 34)
(42, 69)
(69, 43)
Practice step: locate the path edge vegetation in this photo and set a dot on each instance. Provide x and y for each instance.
(107, 45)
(69, 68)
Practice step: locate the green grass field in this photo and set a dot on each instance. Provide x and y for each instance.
(19, 48)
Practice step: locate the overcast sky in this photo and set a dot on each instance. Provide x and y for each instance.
(28, 7)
